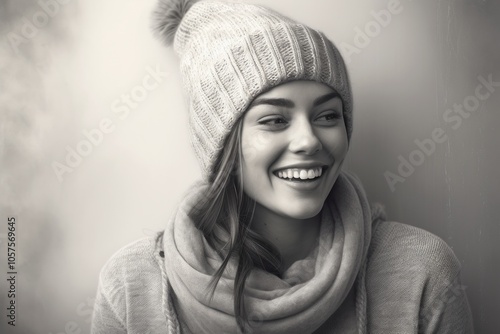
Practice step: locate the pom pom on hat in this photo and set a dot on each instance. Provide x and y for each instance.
(168, 16)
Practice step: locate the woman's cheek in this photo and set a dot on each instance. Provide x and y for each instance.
(341, 145)
(335, 143)
(248, 148)
(257, 146)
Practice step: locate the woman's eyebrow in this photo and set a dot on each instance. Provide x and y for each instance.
(280, 102)
(274, 102)
(322, 99)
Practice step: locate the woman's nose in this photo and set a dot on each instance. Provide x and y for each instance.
(303, 138)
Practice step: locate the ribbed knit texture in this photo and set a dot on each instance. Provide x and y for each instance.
(232, 52)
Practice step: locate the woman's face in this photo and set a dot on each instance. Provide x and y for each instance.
(294, 142)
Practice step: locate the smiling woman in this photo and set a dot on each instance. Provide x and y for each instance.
(290, 175)
(276, 238)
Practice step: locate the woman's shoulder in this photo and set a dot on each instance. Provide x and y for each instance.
(414, 275)
(129, 291)
(412, 249)
(130, 262)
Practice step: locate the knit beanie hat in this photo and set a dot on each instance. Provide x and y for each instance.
(230, 53)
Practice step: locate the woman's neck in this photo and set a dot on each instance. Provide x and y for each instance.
(294, 238)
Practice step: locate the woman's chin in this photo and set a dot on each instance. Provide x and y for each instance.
(303, 211)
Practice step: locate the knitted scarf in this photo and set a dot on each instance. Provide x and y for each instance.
(309, 292)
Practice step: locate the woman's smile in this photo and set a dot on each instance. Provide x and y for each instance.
(302, 178)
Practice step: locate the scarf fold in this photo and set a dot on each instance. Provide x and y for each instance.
(310, 291)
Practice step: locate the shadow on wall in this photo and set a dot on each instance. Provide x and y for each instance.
(37, 113)
(426, 135)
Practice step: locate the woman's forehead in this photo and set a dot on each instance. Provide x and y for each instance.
(307, 94)
(292, 88)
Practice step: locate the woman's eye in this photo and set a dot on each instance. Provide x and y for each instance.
(274, 122)
(329, 117)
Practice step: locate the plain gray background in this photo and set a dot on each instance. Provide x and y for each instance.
(69, 75)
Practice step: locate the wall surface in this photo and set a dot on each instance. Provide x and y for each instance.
(95, 150)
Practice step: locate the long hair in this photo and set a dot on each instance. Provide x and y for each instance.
(226, 209)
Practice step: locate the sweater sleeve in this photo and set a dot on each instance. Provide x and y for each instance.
(446, 309)
(104, 318)
(448, 313)
(109, 309)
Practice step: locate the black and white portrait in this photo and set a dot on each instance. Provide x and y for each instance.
(206, 166)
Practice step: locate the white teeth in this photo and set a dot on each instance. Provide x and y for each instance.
(302, 174)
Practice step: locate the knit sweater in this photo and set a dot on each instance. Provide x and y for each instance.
(412, 282)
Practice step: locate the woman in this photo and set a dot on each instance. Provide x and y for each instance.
(276, 238)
